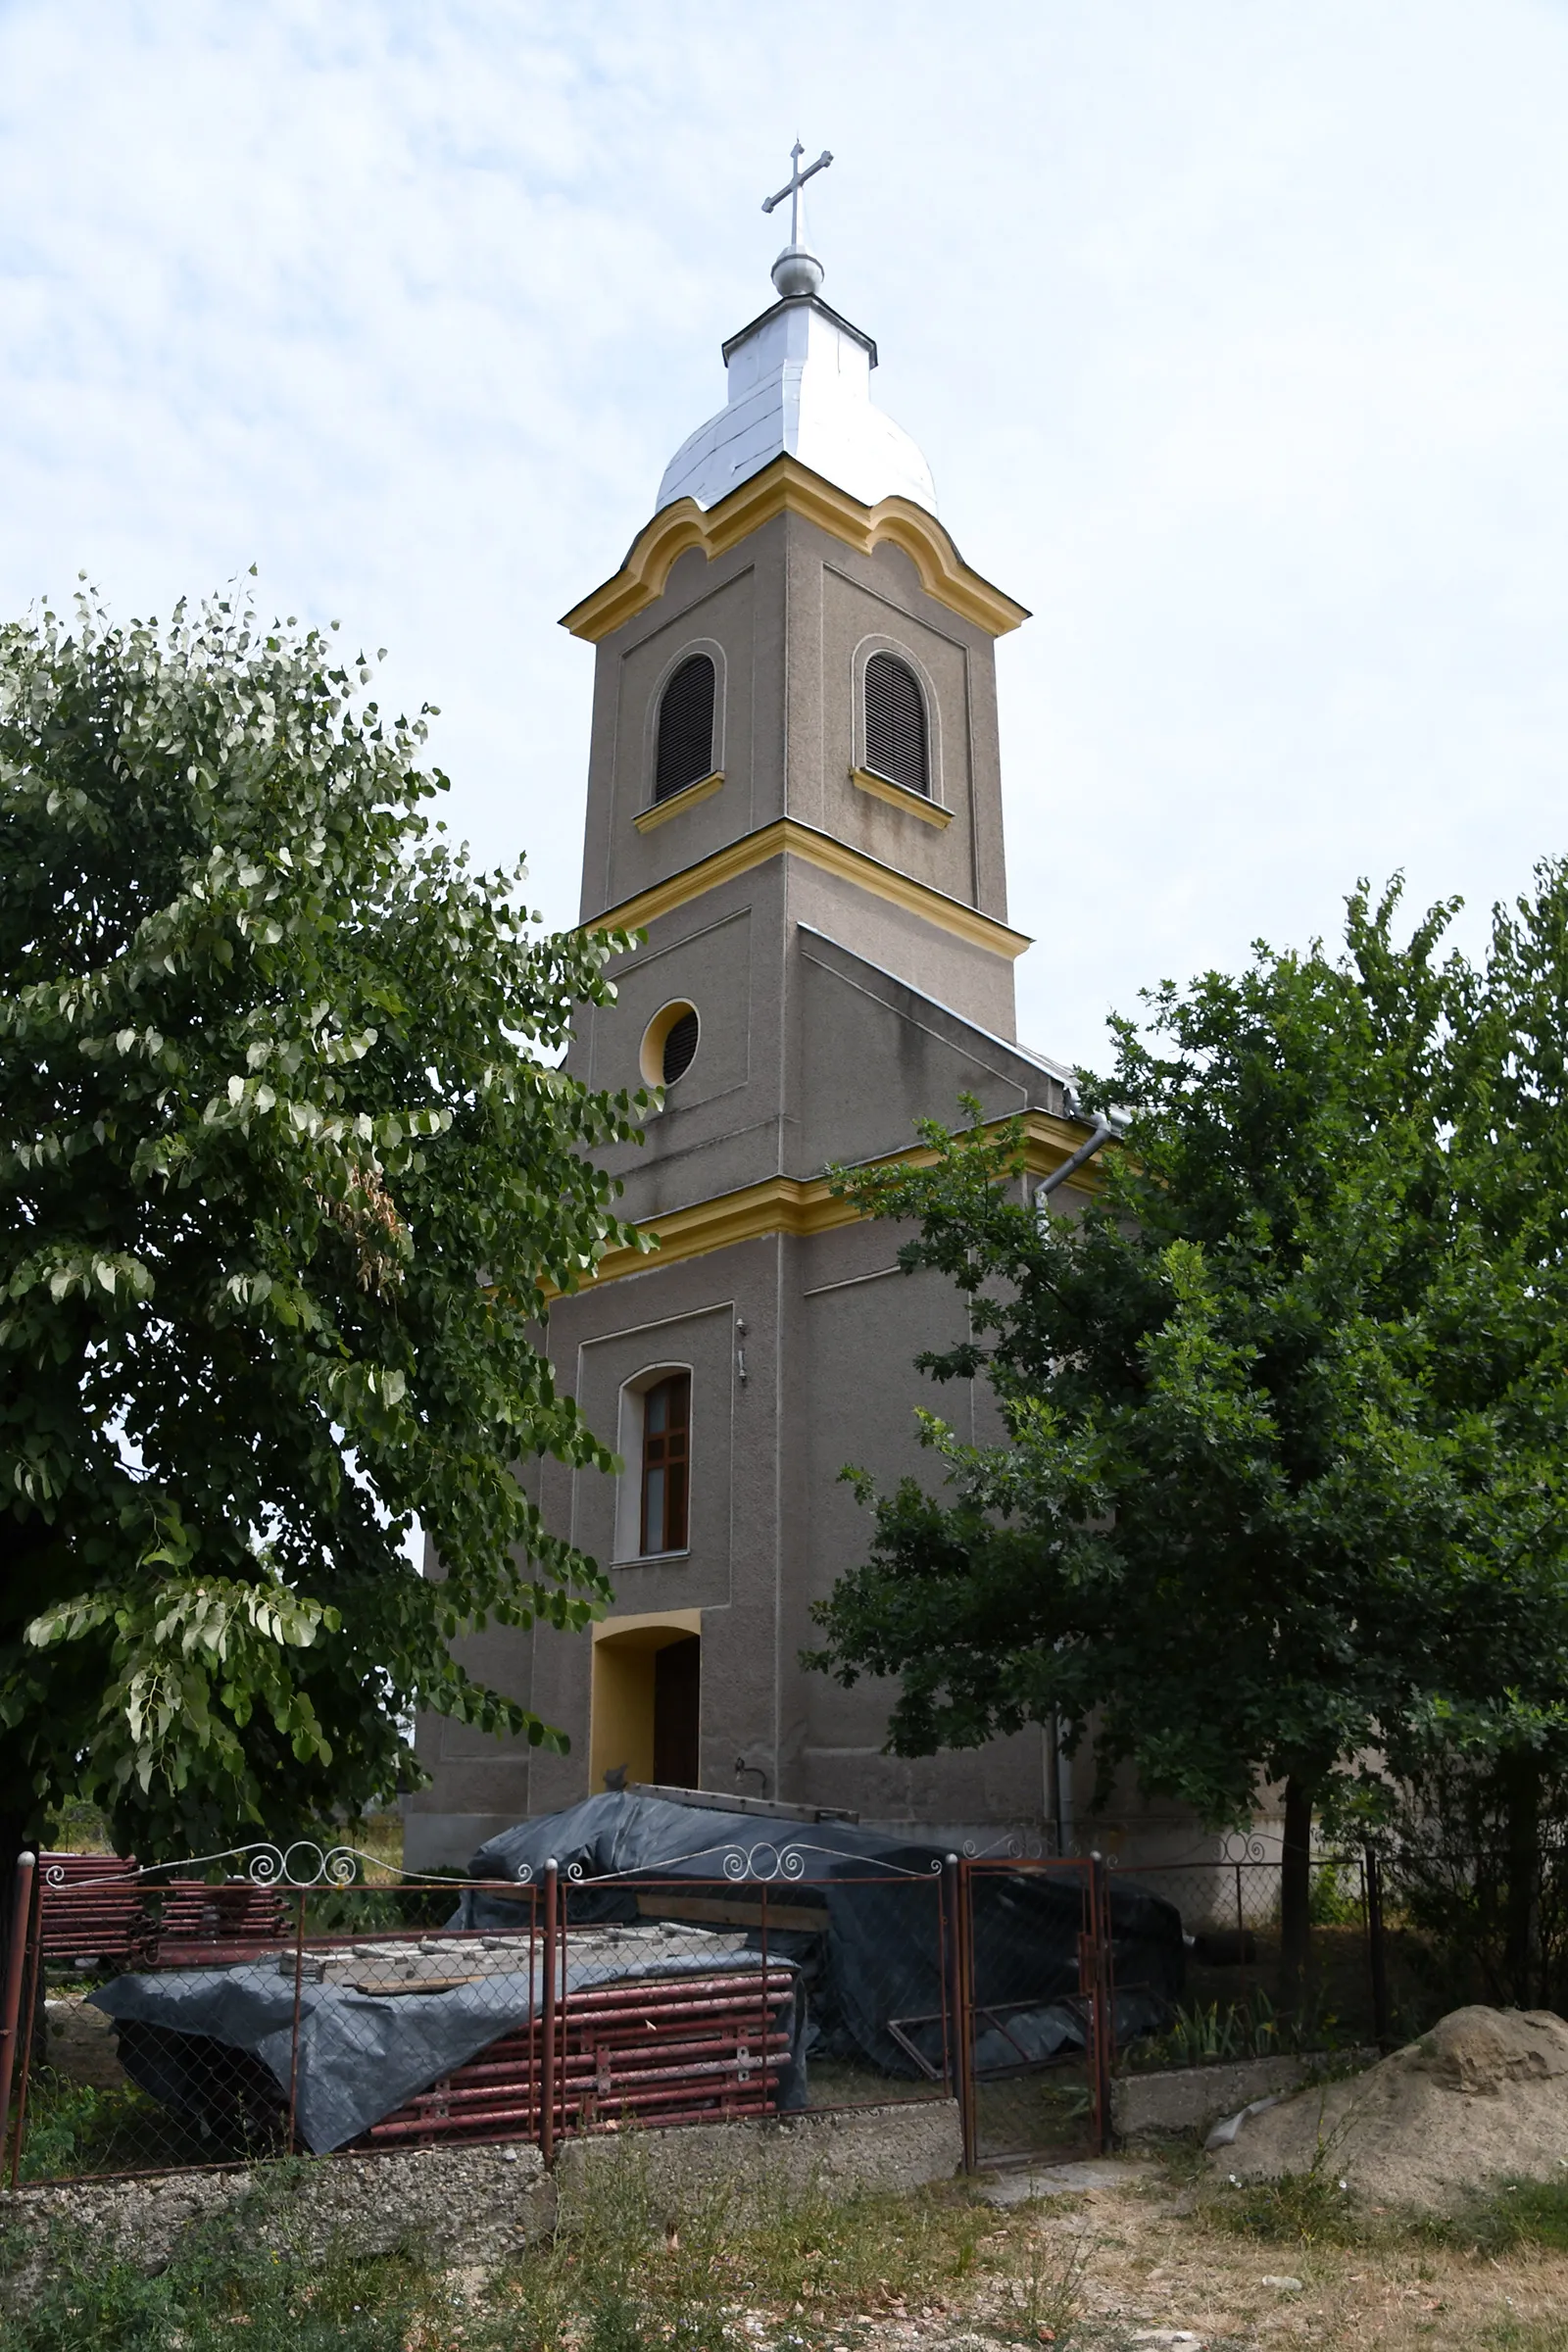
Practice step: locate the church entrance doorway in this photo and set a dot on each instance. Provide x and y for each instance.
(646, 1720)
(677, 1713)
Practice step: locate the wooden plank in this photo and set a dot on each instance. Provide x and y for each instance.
(710, 1910)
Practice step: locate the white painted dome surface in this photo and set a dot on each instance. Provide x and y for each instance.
(800, 385)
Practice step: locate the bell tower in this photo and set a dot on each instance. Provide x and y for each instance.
(794, 795)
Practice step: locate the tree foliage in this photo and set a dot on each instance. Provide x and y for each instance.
(1282, 1484)
(288, 1174)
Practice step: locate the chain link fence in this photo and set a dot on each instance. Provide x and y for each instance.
(221, 2012)
(156, 2021)
(1233, 2004)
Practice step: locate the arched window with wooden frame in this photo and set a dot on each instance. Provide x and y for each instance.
(666, 1436)
(683, 753)
(897, 745)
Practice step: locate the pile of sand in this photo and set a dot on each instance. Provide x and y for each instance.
(1483, 2096)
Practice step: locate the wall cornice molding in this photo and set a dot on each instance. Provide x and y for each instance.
(789, 488)
(803, 1207)
(786, 836)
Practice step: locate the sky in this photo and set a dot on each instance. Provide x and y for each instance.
(1236, 334)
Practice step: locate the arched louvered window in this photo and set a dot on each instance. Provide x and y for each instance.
(685, 752)
(894, 723)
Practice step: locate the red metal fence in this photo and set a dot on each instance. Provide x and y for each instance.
(153, 2022)
(150, 2020)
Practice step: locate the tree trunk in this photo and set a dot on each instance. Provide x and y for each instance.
(1295, 1888)
(1521, 1784)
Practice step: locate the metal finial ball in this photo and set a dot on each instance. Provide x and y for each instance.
(798, 272)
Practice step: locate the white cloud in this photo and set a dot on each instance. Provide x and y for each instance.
(1237, 336)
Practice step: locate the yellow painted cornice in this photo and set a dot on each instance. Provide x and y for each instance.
(787, 835)
(786, 486)
(804, 1206)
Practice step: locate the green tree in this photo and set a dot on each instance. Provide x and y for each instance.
(1508, 1104)
(289, 1172)
(1283, 1407)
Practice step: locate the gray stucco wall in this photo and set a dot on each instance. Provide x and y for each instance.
(832, 1330)
(812, 1048)
(788, 618)
(832, 1017)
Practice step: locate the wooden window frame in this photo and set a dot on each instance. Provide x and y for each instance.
(667, 1459)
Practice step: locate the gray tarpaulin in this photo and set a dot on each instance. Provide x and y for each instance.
(875, 1969)
(360, 2055)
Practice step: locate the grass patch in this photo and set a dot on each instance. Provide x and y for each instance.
(1520, 2214)
(215, 2285)
(1312, 2209)
(1304, 2209)
(76, 2127)
(809, 2266)
(758, 2269)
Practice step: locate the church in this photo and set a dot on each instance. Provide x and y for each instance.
(795, 793)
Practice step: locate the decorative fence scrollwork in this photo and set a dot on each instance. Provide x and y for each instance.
(266, 1863)
(763, 1862)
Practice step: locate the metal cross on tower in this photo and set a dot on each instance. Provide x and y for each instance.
(795, 183)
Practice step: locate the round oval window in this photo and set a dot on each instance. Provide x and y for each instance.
(669, 1044)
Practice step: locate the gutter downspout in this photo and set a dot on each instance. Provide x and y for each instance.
(1104, 1132)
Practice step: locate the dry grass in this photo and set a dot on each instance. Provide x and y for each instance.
(1151, 2263)
(937, 2272)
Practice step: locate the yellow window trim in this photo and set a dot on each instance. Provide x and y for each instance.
(788, 836)
(914, 803)
(786, 486)
(687, 798)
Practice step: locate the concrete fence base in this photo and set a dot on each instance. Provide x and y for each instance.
(478, 2208)
(836, 2152)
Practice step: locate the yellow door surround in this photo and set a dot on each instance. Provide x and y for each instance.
(650, 1631)
(620, 1723)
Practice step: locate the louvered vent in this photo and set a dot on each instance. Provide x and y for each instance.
(685, 752)
(894, 723)
(679, 1046)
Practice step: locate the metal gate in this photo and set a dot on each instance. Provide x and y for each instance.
(1033, 2002)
